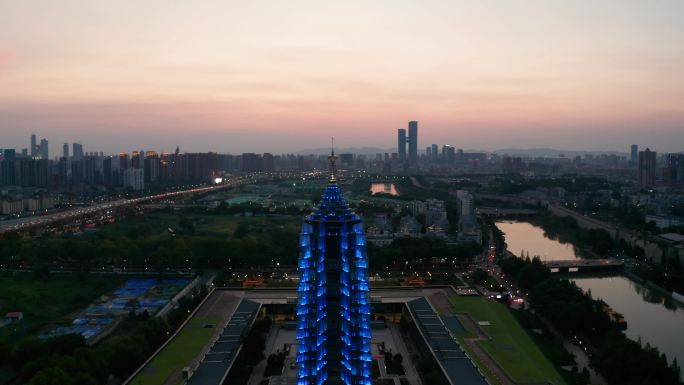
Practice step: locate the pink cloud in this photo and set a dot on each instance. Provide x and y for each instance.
(5, 58)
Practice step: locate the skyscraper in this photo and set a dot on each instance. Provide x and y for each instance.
(34, 145)
(634, 153)
(448, 154)
(673, 173)
(124, 161)
(77, 152)
(413, 142)
(137, 159)
(269, 162)
(647, 168)
(435, 152)
(44, 149)
(65, 151)
(401, 144)
(333, 312)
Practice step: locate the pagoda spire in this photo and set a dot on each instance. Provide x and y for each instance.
(332, 158)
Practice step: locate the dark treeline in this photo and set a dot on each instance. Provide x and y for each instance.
(67, 360)
(668, 275)
(146, 244)
(567, 230)
(576, 314)
(571, 183)
(415, 252)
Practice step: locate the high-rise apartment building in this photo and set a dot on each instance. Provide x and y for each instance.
(333, 310)
(401, 144)
(137, 159)
(467, 223)
(673, 173)
(448, 154)
(647, 168)
(252, 162)
(77, 152)
(124, 161)
(134, 179)
(151, 167)
(413, 142)
(634, 155)
(44, 152)
(347, 160)
(34, 145)
(269, 162)
(65, 150)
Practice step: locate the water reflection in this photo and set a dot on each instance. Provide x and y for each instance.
(654, 296)
(651, 315)
(384, 188)
(524, 237)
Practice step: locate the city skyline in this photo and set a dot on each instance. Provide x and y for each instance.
(319, 192)
(576, 76)
(34, 149)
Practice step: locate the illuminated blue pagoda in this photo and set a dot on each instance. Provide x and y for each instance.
(333, 312)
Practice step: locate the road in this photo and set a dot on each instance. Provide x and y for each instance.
(28, 222)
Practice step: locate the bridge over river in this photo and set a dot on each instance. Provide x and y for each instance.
(584, 265)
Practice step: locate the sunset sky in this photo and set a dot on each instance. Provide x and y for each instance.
(241, 76)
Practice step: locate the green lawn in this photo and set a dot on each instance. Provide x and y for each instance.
(207, 224)
(47, 302)
(178, 353)
(509, 345)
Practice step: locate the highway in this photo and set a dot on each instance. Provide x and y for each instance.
(21, 224)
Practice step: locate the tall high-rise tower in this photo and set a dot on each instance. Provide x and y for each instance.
(44, 149)
(65, 150)
(333, 312)
(34, 145)
(634, 155)
(647, 168)
(413, 142)
(401, 144)
(77, 152)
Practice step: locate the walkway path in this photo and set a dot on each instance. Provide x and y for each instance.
(440, 301)
(258, 372)
(221, 305)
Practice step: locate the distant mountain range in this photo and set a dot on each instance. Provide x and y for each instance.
(524, 152)
(347, 150)
(552, 152)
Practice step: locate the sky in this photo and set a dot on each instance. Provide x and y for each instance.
(280, 76)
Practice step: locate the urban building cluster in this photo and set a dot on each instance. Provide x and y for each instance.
(33, 175)
(428, 218)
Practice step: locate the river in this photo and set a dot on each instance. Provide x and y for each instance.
(530, 239)
(651, 316)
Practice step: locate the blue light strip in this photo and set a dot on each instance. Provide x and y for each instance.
(316, 318)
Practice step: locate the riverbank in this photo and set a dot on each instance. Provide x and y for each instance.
(652, 318)
(595, 243)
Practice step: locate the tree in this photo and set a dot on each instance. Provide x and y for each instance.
(532, 274)
(241, 231)
(28, 350)
(82, 379)
(50, 376)
(124, 356)
(187, 225)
